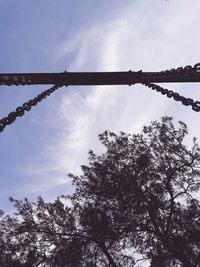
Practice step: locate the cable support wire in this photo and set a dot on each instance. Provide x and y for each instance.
(20, 111)
(186, 72)
(171, 94)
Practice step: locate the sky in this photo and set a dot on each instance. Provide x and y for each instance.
(53, 139)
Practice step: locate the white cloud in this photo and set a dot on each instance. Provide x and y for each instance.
(151, 37)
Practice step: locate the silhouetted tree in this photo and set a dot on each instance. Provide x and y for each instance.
(139, 196)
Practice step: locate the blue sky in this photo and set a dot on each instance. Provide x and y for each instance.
(39, 149)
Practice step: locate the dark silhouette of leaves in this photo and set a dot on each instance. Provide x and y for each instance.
(138, 198)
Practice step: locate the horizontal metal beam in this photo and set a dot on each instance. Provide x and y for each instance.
(97, 78)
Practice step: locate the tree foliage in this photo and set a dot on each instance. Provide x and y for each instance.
(138, 198)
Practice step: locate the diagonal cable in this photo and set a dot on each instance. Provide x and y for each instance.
(20, 111)
(171, 94)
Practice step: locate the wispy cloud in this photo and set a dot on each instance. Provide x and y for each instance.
(148, 37)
